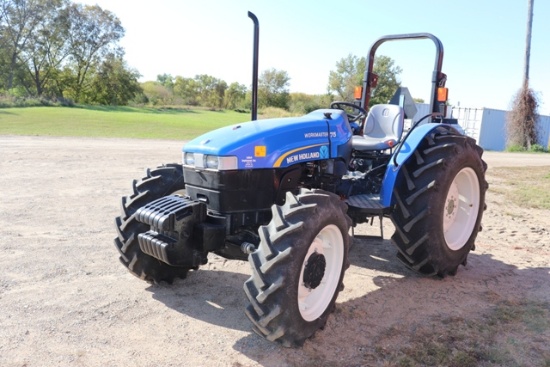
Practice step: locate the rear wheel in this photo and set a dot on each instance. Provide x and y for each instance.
(440, 198)
(298, 269)
(162, 181)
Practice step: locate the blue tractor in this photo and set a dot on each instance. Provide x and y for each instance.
(284, 194)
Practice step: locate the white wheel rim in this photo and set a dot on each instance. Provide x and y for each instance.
(461, 208)
(312, 302)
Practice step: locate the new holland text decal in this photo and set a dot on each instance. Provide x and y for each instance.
(308, 153)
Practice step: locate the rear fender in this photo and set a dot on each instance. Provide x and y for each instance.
(403, 155)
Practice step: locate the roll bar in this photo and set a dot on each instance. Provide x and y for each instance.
(438, 78)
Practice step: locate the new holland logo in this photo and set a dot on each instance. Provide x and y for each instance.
(303, 154)
(323, 152)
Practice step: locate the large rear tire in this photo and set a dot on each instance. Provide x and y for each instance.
(161, 181)
(298, 269)
(440, 198)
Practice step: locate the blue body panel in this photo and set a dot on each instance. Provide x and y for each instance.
(408, 148)
(276, 143)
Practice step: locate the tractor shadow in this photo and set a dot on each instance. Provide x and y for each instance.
(216, 296)
(382, 301)
(387, 302)
(213, 296)
(377, 254)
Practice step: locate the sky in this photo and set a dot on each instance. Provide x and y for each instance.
(484, 42)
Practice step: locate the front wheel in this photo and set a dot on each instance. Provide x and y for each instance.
(440, 198)
(159, 182)
(298, 269)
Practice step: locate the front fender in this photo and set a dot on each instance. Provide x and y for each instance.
(405, 152)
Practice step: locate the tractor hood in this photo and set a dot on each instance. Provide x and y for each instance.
(277, 142)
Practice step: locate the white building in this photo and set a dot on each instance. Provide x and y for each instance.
(487, 125)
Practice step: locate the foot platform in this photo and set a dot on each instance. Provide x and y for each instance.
(365, 206)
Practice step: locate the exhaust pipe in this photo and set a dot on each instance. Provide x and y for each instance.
(254, 109)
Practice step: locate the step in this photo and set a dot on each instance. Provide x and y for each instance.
(367, 204)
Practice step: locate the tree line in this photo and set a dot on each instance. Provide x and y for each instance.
(210, 92)
(58, 50)
(273, 88)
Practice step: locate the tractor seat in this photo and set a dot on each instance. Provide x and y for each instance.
(383, 128)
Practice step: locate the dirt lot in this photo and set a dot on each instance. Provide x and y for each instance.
(65, 300)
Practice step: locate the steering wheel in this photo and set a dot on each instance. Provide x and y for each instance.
(339, 105)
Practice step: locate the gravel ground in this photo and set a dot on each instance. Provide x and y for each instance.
(65, 299)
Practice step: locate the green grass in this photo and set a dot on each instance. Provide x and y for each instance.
(115, 122)
(528, 187)
(535, 148)
(512, 333)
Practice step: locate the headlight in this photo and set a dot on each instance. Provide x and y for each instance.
(189, 159)
(211, 161)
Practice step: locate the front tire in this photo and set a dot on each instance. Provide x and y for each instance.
(440, 198)
(298, 269)
(162, 181)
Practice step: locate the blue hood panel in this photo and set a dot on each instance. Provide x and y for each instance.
(277, 142)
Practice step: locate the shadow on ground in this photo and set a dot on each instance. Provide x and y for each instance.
(392, 308)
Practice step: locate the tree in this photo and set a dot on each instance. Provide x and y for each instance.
(45, 49)
(273, 89)
(114, 83)
(93, 33)
(302, 103)
(521, 122)
(210, 90)
(388, 81)
(187, 90)
(166, 79)
(349, 74)
(157, 94)
(19, 18)
(234, 95)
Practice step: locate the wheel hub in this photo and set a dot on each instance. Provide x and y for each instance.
(314, 270)
(320, 272)
(451, 206)
(461, 208)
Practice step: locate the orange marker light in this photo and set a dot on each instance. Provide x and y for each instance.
(442, 94)
(358, 93)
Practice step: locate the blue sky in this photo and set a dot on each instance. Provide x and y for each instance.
(484, 41)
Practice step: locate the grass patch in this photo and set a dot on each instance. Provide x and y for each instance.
(512, 333)
(528, 187)
(115, 122)
(535, 148)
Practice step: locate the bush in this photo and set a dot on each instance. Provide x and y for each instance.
(274, 112)
(9, 100)
(538, 148)
(515, 148)
(521, 121)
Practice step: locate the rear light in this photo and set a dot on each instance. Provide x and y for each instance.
(442, 94)
(358, 93)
